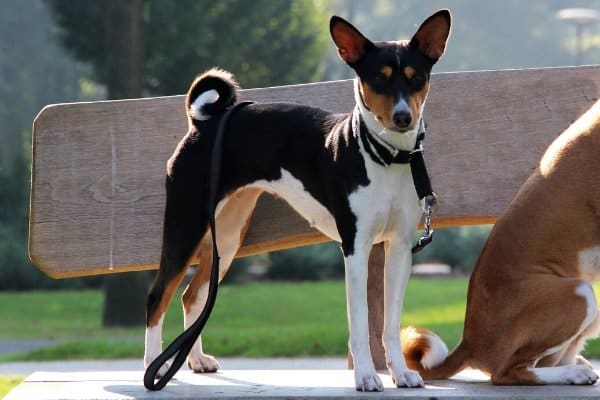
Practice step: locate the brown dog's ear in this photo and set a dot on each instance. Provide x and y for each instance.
(351, 44)
(432, 35)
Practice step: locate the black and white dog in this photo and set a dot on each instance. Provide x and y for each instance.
(333, 169)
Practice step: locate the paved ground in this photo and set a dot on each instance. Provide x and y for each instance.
(290, 378)
(311, 363)
(272, 384)
(23, 346)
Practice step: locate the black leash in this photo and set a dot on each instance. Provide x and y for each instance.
(182, 345)
(423, 187)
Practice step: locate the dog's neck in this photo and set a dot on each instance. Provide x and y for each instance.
(396, 140)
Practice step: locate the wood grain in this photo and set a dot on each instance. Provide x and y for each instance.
(98, 168)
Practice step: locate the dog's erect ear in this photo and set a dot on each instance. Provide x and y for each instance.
(432, 35)
(351, 44)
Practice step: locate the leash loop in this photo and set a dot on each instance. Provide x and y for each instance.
(182, 345)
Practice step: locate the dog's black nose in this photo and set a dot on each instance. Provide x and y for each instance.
(402, 118)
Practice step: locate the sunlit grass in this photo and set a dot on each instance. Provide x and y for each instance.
(255, 320)
(7, 383)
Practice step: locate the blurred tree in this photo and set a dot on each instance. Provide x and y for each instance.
(263, 42)
(458, 247)
(33, 72)
(320, 261)
(124, 293)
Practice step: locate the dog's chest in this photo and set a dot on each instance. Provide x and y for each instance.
(389, 206)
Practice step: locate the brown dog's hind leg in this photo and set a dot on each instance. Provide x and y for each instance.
(572, 353)
(542, 338)
(232, 224)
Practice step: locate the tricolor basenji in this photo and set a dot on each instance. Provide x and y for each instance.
(333, 169)
(530, 303)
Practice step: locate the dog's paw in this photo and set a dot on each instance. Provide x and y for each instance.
(367, 381)
(200, 362)
(580, 360)
(581, 375)
(406, 378)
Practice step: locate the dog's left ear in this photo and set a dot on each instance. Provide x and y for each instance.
(432, 35)
(352, 45)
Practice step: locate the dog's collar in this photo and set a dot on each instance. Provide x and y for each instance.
(384, 154)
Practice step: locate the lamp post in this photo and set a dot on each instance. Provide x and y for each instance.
(580, 17)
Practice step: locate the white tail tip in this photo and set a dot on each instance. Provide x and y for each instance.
(208, 97)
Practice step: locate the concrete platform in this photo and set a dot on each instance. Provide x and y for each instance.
(272, 384)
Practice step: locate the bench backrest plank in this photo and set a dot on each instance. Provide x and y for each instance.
(98, 168)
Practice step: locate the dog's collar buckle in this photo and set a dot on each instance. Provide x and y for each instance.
(419, 149)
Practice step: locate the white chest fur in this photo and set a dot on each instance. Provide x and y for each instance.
(389, 205)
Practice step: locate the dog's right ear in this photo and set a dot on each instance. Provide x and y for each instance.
(352, 45)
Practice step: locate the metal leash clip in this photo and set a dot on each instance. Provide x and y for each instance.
(431, 203)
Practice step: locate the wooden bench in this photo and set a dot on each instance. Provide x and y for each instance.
(98, 168)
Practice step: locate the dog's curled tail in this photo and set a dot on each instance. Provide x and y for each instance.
(210, 94)
(427, 353)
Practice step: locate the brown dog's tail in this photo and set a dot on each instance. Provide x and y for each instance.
(210, 94)
(426, 353)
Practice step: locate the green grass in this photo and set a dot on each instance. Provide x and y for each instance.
(254, 320)
(7, 383)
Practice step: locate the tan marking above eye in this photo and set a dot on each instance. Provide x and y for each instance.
(409, 72)
(386, 72)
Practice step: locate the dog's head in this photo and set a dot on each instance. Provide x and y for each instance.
(393, 77)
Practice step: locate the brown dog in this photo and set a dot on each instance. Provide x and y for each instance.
(530, 304)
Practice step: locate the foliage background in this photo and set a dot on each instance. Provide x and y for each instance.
(36, 69)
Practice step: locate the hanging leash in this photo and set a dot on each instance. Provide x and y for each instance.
(182, 345)
(425, 192)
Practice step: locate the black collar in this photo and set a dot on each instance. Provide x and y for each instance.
(385, 154)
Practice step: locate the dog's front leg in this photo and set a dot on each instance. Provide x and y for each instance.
(398, 261)
(365, 376)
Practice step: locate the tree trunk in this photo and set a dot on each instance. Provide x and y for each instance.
(124, 293)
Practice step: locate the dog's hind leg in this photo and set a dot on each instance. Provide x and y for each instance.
(184, 224)
(232, 223)
(572, 352)
(551, 339)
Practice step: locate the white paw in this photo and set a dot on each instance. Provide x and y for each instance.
(580, 360)
(162, 371)
(581, 375)
(367, 380)
(200, 362)
(406, 378)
